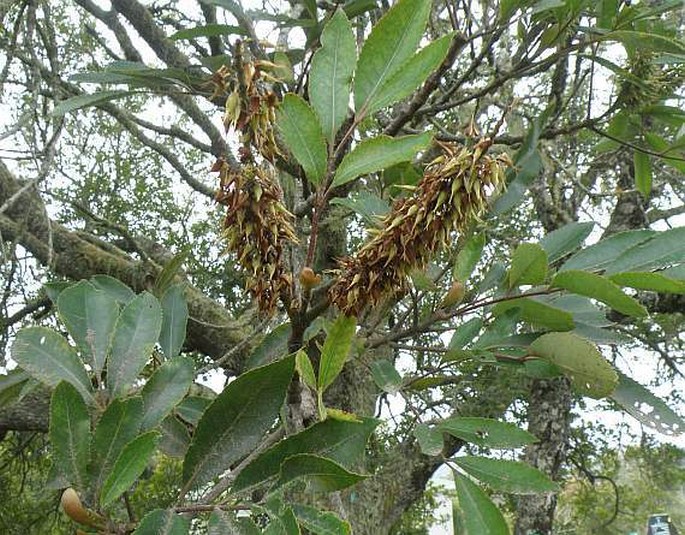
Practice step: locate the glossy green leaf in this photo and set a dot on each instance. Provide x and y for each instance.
(192, 408)
(130, 464)
(599, 288)
(118, 425)
(335, 350)
(528, 265)
(320, 522)
(386, 376)
(174, 321)
(512, 477)
(468, 257)
(165, 389)
(662, 250)
(647, 408)
(163, 522)
(538, 313)
(654, 282)
(304, 367)
(599, 255)
(272, 346)
(331, 74)
(45, 355)
(642, 166)
(175, 437)
(377, 153)
(410, 75)
(486, 432)
(69, 433)
(480, 514)
(430, 439)
(562, 241)
(320, 473)
(299, 127)
(136, 333)
(580, 360)
(392, 41)
(238, 417)
(368, 205)
(465, 333)
(90, 316)
(86, 100)
(116, 289)
(343, 441)
(207, 30)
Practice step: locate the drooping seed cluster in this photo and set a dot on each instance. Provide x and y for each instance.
(453, 192)
(256, 227)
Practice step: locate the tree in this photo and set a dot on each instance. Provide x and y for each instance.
(393, 176)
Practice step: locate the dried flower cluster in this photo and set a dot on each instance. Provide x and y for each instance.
(452, 192)
(256, 227)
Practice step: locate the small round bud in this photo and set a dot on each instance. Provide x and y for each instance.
(308, 278)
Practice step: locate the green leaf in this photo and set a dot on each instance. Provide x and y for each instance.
(647, 408)
(411, 74)
(597, 287)
(580, 360)
(45, 355)
(480, 514)
(645, 41)
(130, 464)
(53, 289)
(486, 432)
(643, 172)
(320, 522)
(301, 133)
(562, 241)
(11, 385)
(368, 205)
(225, 523)
(192, 408)
(236, 421)
(528, 265)
(174, 321)
(512, 477)
(118, 426)
(599, 255)
(137, 332)
(86, 100)
(664, 249)
(392, 41)
(654, 282)
(272, 346)
(386, 376)
(70, 434)
(377, 153)
(161, 522)
(335, 350)
(208, 30)
(304, 367)
(343, 441)
(165, 389)
(116, 289)
(175, 437)
(331, 74)
(430, 440)
(538, 313)
(170, 271)
(465, 333)
(468, 257)
(320, 473)
(90, 316)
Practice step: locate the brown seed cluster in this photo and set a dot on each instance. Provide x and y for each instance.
(256, 227)
(453, 192)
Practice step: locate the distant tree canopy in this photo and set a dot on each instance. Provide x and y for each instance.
(398, 235)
